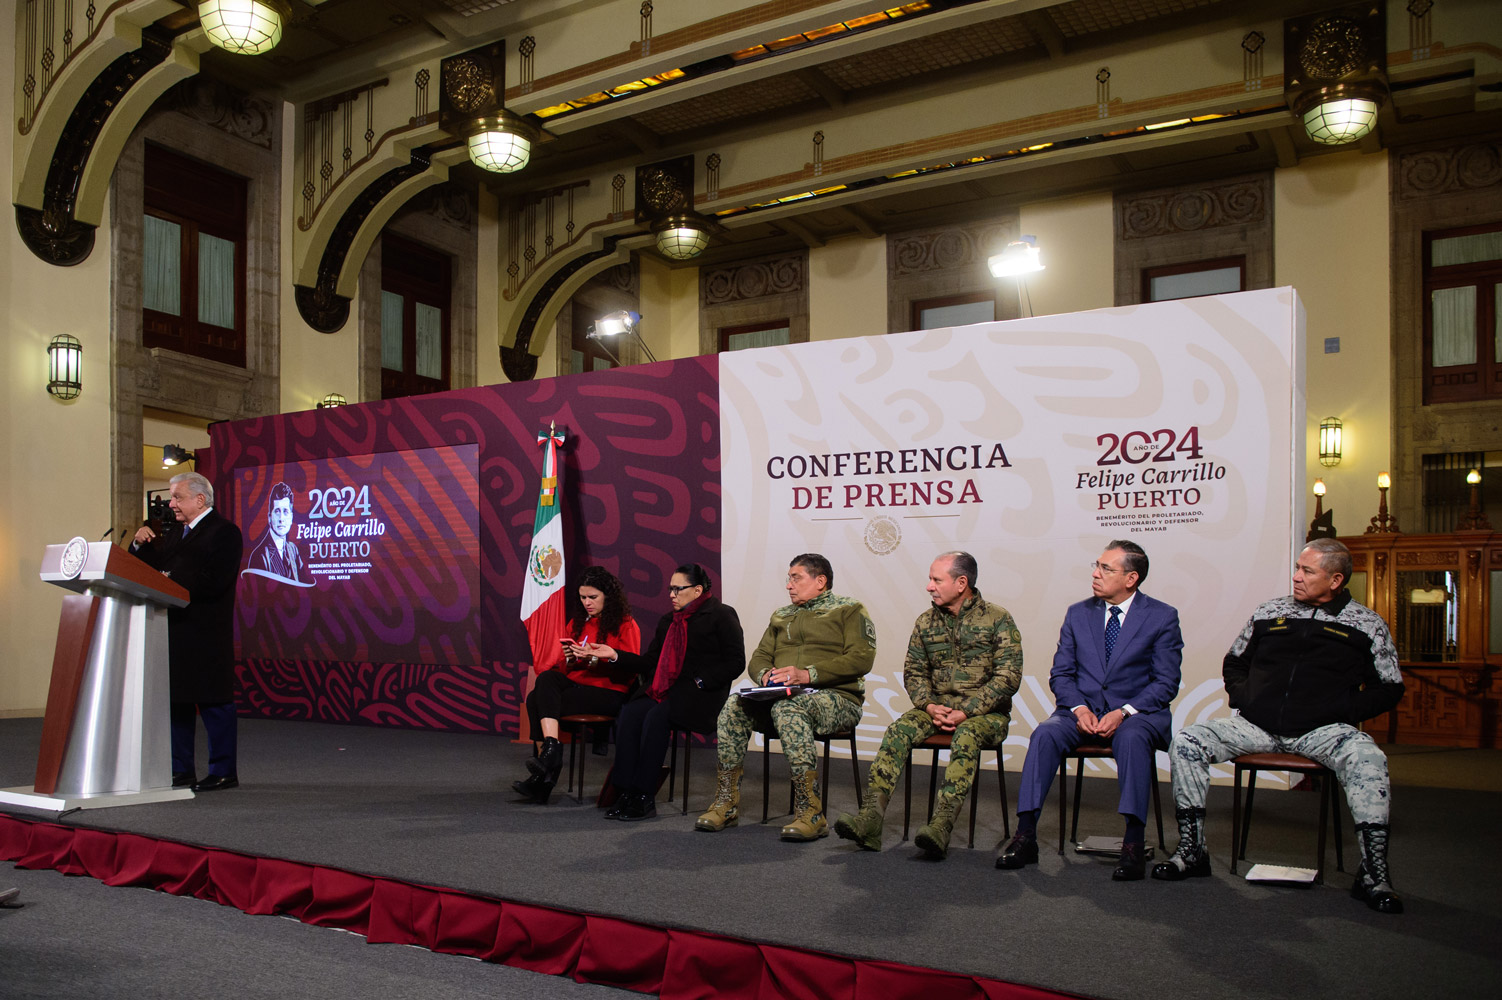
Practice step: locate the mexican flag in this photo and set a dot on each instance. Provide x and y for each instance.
(542, 593)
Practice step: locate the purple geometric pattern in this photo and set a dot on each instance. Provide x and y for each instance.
(640, 494)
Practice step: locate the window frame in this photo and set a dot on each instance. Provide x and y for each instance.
(1237, 261)
(200, 199)
(1485, 276)
(724, 333)
(417, 273)
(917, 307)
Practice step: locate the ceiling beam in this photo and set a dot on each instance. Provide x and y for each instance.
(856, 218)
(1046, 31)
(1283, 145)
(822, 85)
(637, 134)
(801, 231)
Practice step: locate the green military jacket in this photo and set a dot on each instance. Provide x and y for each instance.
(971, 661)
(831, 634)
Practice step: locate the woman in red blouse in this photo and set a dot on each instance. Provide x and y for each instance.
(581, 684)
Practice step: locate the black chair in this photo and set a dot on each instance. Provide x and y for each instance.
(688, 746)
(766, 770)
(1329, 802)
(942, 741)
(575, 726)
(1078, 755)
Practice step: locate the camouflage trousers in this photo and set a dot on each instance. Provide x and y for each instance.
(913, 727)
(795, 721)
(1359, 766)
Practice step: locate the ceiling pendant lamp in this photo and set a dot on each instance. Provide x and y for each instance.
(681, 237)
(501, 143)
(247, 27)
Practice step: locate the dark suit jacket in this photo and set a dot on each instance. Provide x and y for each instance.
(1144, 669)
(716, 656)
(286, 564)
(201, 636)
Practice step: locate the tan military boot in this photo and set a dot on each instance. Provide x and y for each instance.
(933, 838)
(726, 807)
(808, 819)
(865, 826)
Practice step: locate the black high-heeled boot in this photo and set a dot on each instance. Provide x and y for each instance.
(549, 760)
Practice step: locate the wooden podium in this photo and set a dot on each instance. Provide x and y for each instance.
(105, 739)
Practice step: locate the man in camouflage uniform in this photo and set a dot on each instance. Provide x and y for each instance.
(964, 662)
(1303, 673)
(821, 641)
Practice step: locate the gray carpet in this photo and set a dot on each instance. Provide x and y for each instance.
(436, 808)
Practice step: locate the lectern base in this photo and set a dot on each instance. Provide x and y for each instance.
(31, 799)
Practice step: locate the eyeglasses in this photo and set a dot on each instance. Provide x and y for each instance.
(675, 591)
(1105, 569)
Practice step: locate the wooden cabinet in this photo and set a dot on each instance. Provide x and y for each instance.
(1436, 593)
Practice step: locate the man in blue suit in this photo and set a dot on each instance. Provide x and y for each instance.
(1114, 675)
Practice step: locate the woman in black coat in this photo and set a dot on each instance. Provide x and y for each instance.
(686, 674)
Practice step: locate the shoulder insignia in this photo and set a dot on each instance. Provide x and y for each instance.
(870, 628)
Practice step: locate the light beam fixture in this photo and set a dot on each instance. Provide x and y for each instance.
(472, 105)
(622, 321)
(65, 367)
(1330, 432)
(1335, 71)
(1020, 257)
(246, 27)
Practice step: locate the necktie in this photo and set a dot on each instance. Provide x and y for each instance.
(186, 528)
(1113, 631)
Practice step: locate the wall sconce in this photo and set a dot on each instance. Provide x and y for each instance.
(472, 105)
(1474, 519)
(1323, 525)
(65, 367)
(613, 325)
(1330, 433)
(176, 454)
(1020, 257)
(665, 204)
(246, 27)
(1382, 524)
(1335, 71)
(332, 400)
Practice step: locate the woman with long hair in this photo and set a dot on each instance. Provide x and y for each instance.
(582, 683)
(697, 651)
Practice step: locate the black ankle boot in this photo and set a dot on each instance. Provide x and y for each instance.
(527, 787)
(549, 760)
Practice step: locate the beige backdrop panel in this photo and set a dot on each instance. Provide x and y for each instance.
(1030, 444)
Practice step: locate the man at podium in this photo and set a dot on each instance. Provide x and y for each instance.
(201, 554)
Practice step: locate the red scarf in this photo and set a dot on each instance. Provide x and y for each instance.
(674, 647)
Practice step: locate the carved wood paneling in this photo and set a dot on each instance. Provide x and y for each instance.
(1436, 558)
(948, 249)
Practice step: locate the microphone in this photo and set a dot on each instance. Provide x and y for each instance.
(107, 533)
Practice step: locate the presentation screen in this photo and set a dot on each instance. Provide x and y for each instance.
(365, 558)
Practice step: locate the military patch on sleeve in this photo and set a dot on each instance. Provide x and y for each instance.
(870, 630)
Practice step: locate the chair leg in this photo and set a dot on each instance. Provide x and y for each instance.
(907, 793)
(1063, 794)
(855, 772)
(1158, 809)
(975, 800)
(1334, 787)
(573, 745)
(1246, 817)
(1079, 786)
(933, 782)
(1324, 809)
(688, 748)
(766, 777)
(1001, 786)
(672, 763)
(825, 782)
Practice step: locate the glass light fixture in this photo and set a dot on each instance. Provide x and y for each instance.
(1319, 487)
(331, 400)
(1384, 481)
(1473, 477)
(1330, 433)
(501, 143)
(247, 27)
(65, 367)
(1341, 121)
(681, 237)
(1019, 257)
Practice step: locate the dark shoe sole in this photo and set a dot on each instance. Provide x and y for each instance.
(1012, 861)
(210, 785)
(1128, 874)
(931, 848)
(1167, 871)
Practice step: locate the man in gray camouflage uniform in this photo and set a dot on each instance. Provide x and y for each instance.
(1302, 674)
(964, 662)
(821, 641)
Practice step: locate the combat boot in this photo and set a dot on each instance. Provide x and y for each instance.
(1372, 885)
(808, 819)
(865, 826)
(726, 807)
(933, 838)
(1191, 859)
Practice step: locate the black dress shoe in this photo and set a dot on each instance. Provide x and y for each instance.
(640, 807)
(1132, 865)
(1167, 871)
(1018, 852)
(217, 783)
(184, 779)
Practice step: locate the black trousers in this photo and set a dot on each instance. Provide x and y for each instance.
(555, 696)
(642, 732)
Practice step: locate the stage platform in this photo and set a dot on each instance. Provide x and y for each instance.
(418, 809)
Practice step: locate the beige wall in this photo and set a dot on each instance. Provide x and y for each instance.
(1075, 244)
(847, 293)
(1330, 219)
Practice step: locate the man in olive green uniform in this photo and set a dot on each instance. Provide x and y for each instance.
(821, 641)
(964, 662)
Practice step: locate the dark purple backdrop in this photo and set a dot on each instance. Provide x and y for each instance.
(640, 493)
